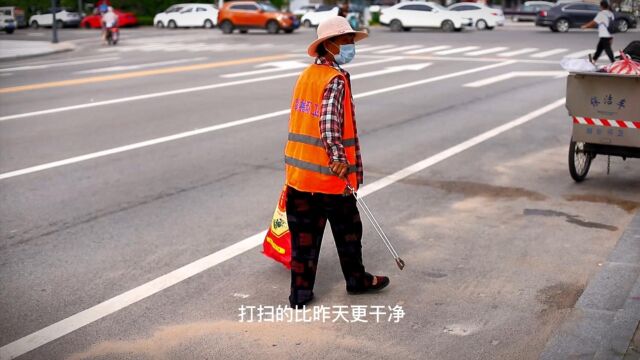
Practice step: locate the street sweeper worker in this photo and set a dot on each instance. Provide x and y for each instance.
(322, 155)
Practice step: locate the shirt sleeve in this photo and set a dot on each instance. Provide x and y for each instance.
(331, 120)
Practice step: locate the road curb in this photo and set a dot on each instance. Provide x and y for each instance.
(607, 314)
(48, 50)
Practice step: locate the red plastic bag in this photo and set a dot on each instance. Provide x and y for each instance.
(277, 243)
(624, 66)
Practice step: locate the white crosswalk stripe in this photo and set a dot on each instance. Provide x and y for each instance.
(487, 51)
(398, 49)
(374, 48)
(548, 53)
(457, 50)
(580, 54)
(426, 50)
(518, 52)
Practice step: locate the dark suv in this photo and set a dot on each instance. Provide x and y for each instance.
(562, 17)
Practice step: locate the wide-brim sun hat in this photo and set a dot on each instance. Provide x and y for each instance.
(332, 27)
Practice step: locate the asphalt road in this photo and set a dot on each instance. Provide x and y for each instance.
(119, 165)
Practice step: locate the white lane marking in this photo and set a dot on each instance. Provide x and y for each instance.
(138, 66)
(487, 51)
(579, 54)
(274, 66)
(176, 92)
(110, 306)
(548, 53)
(68, 63)
(513, 74)
(398, 49)
(435, 78)
(426, 50)
(391, 70)
(518, 52)
(456, 50)
(374, 48)
(182, 135)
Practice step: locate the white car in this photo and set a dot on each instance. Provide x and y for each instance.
(304, 9)
(481, 15)
(187, 15)
(63, 18)
(314, 18)
(407, 15)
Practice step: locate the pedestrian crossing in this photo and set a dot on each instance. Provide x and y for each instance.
(192, 47)
(496, 51)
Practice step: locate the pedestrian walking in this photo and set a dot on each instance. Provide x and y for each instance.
(602, 20)
(322, 157)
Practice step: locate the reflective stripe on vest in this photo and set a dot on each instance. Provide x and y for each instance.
(325, 170)
(310, 140)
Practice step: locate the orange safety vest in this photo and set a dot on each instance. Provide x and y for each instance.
(306, 160)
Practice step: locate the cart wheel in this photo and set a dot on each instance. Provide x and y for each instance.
(579, 161)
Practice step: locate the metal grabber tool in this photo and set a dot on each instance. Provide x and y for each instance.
(377, 227)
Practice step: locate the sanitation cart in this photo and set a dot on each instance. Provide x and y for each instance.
(605, 109)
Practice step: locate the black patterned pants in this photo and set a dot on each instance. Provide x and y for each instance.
(307, 215)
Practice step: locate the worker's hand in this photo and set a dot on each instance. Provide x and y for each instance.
(340, 169)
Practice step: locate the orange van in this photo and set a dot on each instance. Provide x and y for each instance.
(245, 15)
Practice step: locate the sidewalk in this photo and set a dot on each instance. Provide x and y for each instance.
(605, 321)
(15, 49)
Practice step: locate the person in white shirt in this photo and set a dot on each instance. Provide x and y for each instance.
(602, 21)
(109, 20)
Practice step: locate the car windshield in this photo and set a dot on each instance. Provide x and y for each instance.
(173, 9)
(268, 8)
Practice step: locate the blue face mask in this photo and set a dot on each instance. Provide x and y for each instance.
(347, 53)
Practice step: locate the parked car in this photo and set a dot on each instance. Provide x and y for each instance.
(562, 17)
(245, 15)
(14, 13)
(379, 5)
(125, 19)
(407, 15)
(304, 9)
(482, 16)
(187, 15)
(314, 18)
(7, 24)
(64, 18)
(529, 10)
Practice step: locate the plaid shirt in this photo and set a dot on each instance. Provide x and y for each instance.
(332, 117)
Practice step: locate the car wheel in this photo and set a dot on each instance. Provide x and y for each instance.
(226, 27)
(396, 26)
(307, 24)
(623, 26)
(273, 27)
(9, 30)
(160, 25)
(172, 25)
(208, 24)
(34, 25)
(481, 24)
(447, 26)
(562, 25)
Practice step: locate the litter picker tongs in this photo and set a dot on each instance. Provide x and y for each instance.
(377, 227)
